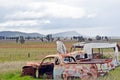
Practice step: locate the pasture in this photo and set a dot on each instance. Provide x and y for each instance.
(15, 55)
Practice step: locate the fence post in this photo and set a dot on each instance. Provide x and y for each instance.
(29, 55)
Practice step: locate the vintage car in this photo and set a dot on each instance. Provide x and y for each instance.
(104, 55)
(106, 52)
(61, 67)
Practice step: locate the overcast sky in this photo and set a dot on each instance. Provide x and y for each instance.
(88, 17)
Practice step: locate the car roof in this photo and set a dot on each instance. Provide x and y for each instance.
(58, 55)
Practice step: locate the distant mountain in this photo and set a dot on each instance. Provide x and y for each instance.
(16, 34)
(67, 34)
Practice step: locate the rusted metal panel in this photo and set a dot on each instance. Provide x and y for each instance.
(29, 71)
(75, 70)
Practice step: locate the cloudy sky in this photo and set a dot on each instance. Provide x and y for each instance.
(88, 17)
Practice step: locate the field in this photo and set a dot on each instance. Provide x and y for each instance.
(14, 55)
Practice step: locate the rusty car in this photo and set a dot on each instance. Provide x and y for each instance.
(60, 67)
(105, 55)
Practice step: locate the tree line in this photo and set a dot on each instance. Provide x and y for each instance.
(49, 38)
(22, 39)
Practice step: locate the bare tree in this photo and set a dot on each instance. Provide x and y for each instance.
(98, 37)
(22, 40)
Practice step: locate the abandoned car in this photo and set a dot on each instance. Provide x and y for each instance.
(60, 67)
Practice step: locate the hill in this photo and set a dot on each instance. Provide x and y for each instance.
(16, 34)
(66, 34)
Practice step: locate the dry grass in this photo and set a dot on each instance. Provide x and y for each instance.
(11, 66)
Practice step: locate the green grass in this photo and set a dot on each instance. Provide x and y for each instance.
(15, 76)
(115, 73)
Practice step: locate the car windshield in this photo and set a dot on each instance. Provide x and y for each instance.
(69, 59)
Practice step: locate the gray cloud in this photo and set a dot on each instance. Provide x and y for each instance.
(59, 15)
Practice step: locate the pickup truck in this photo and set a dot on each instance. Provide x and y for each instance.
(59, 67)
